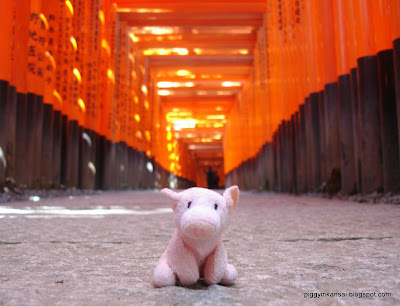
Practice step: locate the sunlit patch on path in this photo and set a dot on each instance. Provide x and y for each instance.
(63, 212)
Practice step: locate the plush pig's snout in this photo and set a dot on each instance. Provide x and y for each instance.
(199, 229)
(199, 222)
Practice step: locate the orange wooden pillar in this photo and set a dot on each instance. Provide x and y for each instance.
(119, 116)
(89, 53)
(345, 111)
(291, 94)
(106, 157)
(84, 26)
(130, 112)
(350, 47)
(387, 96)
(52, 146)
(268, 99)
(121, 81)
(297, 74)
(267, 159)
(82, 34)
(10, 148)
(7, 9)
(258, 175)
(50, 164)
(275, 85)
(67, 86)
(330, 86)
(105, 71)
(20, 81)
(303, 84)
(368, 90)
(313, 13)
(310, 74)
(35, 87)
(8, 143)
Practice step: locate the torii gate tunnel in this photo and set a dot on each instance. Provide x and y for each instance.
(286, 95)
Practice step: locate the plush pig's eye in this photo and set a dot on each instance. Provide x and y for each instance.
(190, 203)
(215, 206)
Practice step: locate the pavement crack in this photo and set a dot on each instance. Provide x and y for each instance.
(89, 242)
(9, 243)
(69, 242)
(336, 239)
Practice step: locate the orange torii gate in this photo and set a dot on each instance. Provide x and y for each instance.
(289, 95)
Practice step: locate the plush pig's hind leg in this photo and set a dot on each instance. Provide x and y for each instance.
(230, 275)
(163, 274)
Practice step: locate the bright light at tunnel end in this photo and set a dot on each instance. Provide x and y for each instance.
(180, 124)
(231, 84)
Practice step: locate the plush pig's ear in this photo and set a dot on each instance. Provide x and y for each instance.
(172, 195)
(231, 196)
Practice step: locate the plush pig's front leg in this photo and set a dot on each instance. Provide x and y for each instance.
(163, 275)
(177, 260)
(217, 270)
(182, 261)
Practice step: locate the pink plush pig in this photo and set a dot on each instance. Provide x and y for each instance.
(196, 248)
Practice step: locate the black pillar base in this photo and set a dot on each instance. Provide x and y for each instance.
(100, 159)
(315, 125)
(355, 107)
(332, 129)
(87, 165)
(70, 153)
(396, 58)
(4, 94)
(21, 154)
(46, 165)
(370, 145)
(348, 170)
(57, 144)
(31, 136)
(304, 178)
(11, 132)
(389, 127)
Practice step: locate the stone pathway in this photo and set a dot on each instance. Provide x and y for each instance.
(102, 249)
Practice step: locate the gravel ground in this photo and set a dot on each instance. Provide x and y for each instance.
(101, 249)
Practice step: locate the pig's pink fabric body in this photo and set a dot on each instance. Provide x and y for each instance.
(196, 248)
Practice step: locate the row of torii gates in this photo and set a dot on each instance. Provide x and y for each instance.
(288, 95)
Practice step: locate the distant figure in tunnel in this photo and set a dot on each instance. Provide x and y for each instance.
(212, 179)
